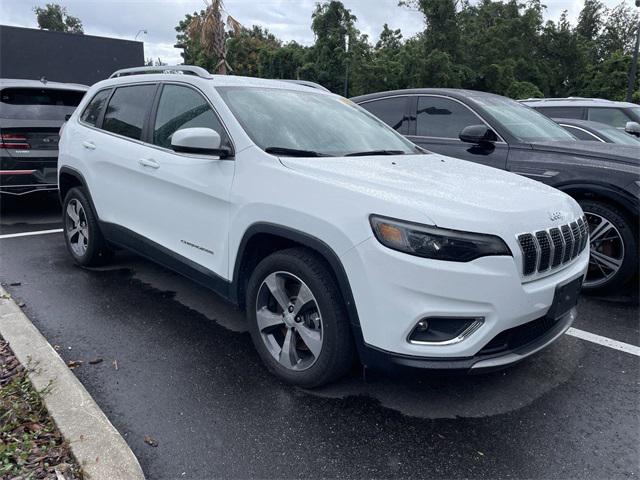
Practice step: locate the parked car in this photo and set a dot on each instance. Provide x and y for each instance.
(588, 131)
(333, 232)
(621, 115)
(31, 113)
(502, 133)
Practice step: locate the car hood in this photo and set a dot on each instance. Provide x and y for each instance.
(445, 191)
(601, 151)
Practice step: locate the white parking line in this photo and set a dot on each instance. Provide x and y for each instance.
(607, 342)
(27, 234)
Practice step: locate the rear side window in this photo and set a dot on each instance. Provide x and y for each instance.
(91, 114)
(611, 116)
(128, 109)
(391, 111)
(41, 96)
(561, 112)
(443, 118)
(182, 107)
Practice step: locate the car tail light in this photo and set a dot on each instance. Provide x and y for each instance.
(15, 141)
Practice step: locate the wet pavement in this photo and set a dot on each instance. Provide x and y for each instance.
(188, 376)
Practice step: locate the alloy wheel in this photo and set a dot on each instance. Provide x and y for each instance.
(289, 321)
(77, 229)
(606, 250)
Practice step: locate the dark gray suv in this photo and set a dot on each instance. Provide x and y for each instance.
(31, 114)
(503, 133)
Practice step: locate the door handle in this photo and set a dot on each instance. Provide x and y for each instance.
(89, 145)
(149, 162)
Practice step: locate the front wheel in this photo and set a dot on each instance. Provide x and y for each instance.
(297, 319)
(613, 248)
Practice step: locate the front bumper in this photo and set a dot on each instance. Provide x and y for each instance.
(393, 291)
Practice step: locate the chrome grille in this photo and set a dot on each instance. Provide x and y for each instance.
(547, 250)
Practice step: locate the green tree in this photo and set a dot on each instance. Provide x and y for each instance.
(55, 18)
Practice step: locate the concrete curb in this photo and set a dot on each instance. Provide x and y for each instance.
(96, 444)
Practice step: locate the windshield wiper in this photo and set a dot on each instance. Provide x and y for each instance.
(375, 152)
(293, 152)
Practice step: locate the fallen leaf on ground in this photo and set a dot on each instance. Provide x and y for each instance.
(74, 364)
(149, 440)
(95, 361)
(115, 364)
(15, 284)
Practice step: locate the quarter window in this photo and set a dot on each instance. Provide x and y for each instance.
(443, 118)
(182, 107)
(581, 134)
(92, 113)
(128, 109)
(391, 111)
(611, 116)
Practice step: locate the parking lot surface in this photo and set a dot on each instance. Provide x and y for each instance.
(178, 366)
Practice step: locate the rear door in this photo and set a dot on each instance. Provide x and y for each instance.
(113, 150)
(438, 123)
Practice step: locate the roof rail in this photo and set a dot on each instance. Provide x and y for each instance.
(163, 69)
(305, 83)
(565, 99)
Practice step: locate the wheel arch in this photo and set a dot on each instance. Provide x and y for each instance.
(262, 239)
(609, 194)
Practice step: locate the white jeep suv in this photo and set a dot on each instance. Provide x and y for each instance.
(335, 234)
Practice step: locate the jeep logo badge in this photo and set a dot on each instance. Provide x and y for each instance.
(555, 216)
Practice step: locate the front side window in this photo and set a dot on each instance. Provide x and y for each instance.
(128, 109)
(524, 123)
(561, 112)
(391, 111)
(182, 107)
(309, 121)
(443, 118)
(91, 114)
(610, 116)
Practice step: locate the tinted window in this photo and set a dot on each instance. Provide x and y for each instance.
(91, 114)
(580, 134)
(390, 110)
(182, 107)
(561, 112)
(38, 103)
(611, 116)
(440, 117)
(127, 110)
(41, 96)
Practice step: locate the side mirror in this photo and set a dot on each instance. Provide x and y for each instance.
(203, 141)
(633, 128)
(478, 134)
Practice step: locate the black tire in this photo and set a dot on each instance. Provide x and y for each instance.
(97, 252)
(629, 267)
(337, 354)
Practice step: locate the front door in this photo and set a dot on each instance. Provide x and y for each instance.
(438, 123)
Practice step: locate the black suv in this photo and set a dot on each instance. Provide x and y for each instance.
(500, 132)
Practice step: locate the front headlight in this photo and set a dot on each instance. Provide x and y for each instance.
(436, 243)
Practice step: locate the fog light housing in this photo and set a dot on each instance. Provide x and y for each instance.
(443, 330)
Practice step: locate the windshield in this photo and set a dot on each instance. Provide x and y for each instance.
(522, 122)
(621, 137)
(310, 123)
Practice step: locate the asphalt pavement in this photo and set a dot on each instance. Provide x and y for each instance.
(178, 366)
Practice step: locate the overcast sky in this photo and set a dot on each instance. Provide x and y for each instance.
(288, 19)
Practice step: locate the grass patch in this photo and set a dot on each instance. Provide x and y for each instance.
(31, 446)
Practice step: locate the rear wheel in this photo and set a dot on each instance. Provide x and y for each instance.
(297, 319)
(613, 248)
(82, 234)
